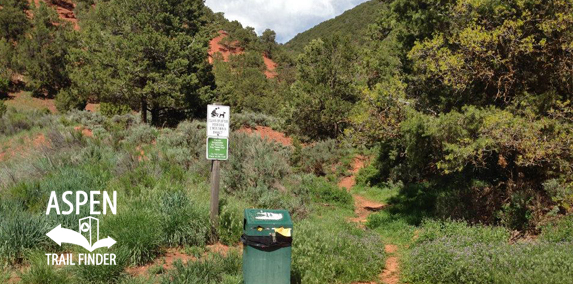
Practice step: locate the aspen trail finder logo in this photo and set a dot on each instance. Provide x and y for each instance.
(87, 235)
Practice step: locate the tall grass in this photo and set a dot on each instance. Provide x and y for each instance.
(216, 269)
(40, 272)
(330, 250)
(20, 232)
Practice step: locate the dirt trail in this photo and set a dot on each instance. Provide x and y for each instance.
(363, 207)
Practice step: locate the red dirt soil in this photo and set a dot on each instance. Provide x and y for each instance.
(268, 133)
(350, 181)
(168, 260)
(362, 209)
(65, 10)
(215, 46)
(21, 148)
(85, 131)
(391, 273)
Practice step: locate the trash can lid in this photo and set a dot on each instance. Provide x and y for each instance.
(260, 222)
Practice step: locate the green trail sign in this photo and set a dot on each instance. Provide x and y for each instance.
(217, 148)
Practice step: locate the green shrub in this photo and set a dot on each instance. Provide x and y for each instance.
(109, 109)
(254, 119)
(214, 269)
(4, 87)
(559, 231)
(330, 250)
(139, 230)
(254, 162)
(367, 176)
(13, 121)
(3, 108)
(465, 260)
(322, 191)
(185, 145)
(318, 158)
(141, 134)
(461, 153)
(183, 221)
(86, 118)
(67, 101)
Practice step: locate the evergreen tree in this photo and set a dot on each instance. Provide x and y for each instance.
(43, 54)
(325, 89)
(268, 40)
(13, 19)
(151, 55)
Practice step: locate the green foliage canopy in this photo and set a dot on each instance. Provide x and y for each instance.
(325, 90)
(150, 55)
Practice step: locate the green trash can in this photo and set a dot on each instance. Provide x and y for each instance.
(267, 240)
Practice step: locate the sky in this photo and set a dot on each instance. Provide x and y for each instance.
(286, 17)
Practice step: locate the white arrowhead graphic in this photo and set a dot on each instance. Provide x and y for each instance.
(62, 235)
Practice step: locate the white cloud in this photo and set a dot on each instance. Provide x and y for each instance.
(286, 17)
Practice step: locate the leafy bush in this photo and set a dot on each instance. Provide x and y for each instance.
(253, 119)
(254, 162)
(110, 110)
(213, 270)
(185, 145)
(328, 251)
(367, 176)
(13, 121)
(318, 158)
(461, 155)
(66, 101)
(323, 191)
(141, 134)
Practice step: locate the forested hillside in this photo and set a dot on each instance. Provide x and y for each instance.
(426, 141)
(354, 23)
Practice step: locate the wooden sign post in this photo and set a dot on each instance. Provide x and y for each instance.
(218, 118)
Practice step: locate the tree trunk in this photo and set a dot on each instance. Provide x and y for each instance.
(144, 110)
(154, 115)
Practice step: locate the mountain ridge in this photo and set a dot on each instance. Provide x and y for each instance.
(353, 23)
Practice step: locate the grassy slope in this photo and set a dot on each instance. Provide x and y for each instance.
(353, 23)
(161, 179)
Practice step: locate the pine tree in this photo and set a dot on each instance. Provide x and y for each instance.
(43, 54)
(151, 55)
